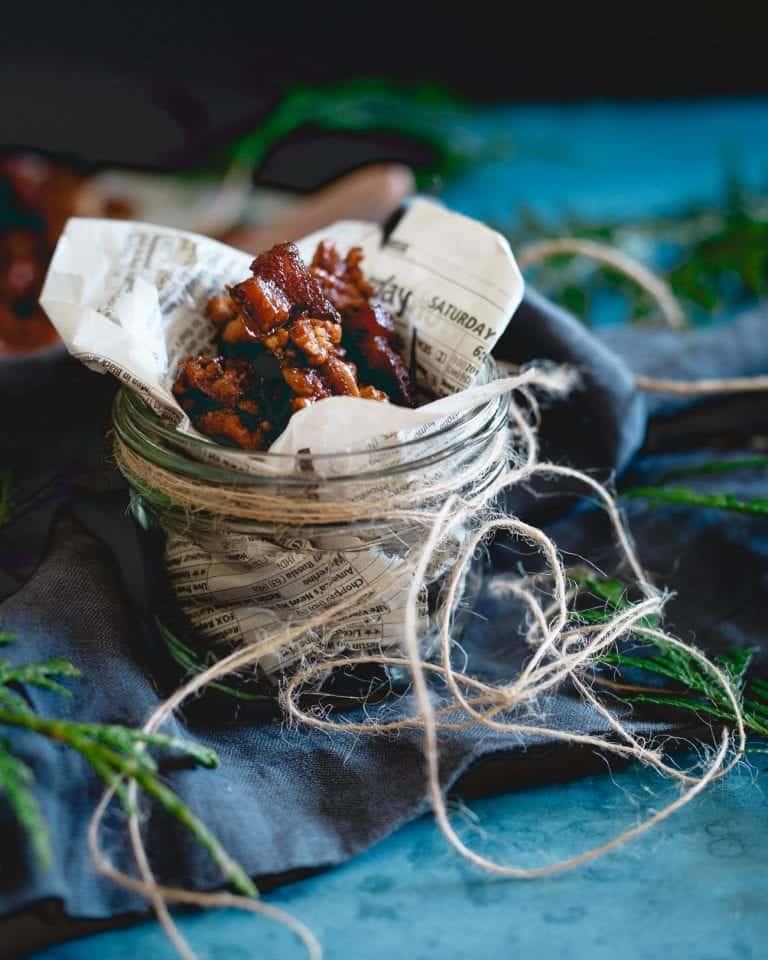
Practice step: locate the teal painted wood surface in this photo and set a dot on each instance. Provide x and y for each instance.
(614, 160)
(696, 888)
(693, 889)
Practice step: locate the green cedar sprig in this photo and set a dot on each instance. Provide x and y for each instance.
(192, 664)
(684, 495)
(693, 688)
(116, 753)
(661, 493)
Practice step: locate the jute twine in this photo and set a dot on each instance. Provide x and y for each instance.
(295, 507)
(659, 291)
(407, 493)
(563, 649)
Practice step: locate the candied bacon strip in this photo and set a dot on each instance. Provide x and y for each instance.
(263, 305)
(281, 285)
(371, 331)
(341, 376)
(283, 266)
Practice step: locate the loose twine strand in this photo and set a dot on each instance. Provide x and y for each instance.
(670, 311)
(604, 253)
(702, 388)
(564, 650)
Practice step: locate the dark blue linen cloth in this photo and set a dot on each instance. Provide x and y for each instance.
(284, 799)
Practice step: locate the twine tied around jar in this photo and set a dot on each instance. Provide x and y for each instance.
(295, 509)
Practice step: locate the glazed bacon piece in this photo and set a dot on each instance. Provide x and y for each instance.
(290, 336)
(280, 286)
(369, 332)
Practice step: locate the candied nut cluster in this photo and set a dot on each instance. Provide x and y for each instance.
(288, 336)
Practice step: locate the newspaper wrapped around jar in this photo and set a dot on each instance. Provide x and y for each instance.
(341, 502)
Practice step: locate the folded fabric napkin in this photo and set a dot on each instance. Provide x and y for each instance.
(286, 799)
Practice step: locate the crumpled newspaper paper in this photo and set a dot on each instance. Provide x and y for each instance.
(128, 299)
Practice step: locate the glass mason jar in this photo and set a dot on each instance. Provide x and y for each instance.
(240, 544)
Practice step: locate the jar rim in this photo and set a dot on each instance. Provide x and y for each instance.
(144, 431)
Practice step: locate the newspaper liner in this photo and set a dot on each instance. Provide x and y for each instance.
(128, 299)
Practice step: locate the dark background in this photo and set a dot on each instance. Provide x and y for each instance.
(160, 84)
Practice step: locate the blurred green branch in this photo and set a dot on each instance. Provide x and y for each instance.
(714, 257)
(426, 114)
